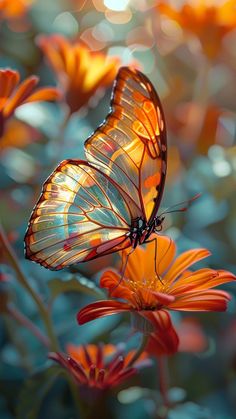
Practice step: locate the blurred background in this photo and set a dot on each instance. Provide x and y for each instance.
(187, 49)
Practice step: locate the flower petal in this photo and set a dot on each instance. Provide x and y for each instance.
(212, 300)
(8, 81)
(113, 283)
(101, 309)
(164, 341)
(183, 261)
(44, 93)
(200, 280)
(21, 94)
(166, 250)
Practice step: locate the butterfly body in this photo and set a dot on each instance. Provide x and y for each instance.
(109, 202)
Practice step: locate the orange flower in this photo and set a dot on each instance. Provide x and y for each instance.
(177, 287)
(17, 134)
(14, 9)
(99, 366)
(208, 20)
(80, 71)
(13, 94)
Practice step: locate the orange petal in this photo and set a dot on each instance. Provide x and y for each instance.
(202, 280)
(101, 309)
(44, 94)
(21, 94)
(214, 300)
(155, 298)
(191, 282)
(137, 262)
(164, 341)
(47, 44)
(113, 283)
(166, 250)
(182, 262)
(8, 81)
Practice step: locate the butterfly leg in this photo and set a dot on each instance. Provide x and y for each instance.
(123, 269)
(155, 258)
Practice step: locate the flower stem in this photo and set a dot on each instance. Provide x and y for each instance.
(23, 281)
(139, 350)
(163, 374)
(28, 324)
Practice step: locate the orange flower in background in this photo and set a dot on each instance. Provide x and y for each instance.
(208, 20)
(177, 287)
(18, 134)
(14, 9)
(14, 94)
(199, 127)
(191, 336)
(99, 366)
(80, 71)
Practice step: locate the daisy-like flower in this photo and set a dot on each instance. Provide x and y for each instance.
(14, 94)
(99, 366)
(176, 288)
(208, 20)
(80, 72)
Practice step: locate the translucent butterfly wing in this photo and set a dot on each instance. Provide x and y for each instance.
(80, 215)
(130, 146)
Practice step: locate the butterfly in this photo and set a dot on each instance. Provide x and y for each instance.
(109, 202)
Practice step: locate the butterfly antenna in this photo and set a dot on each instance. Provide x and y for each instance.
(186, 204)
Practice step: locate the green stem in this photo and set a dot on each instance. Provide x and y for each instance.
(139, 350)
(78, 402)
(28, 324)
(23, 281)
(163, 374)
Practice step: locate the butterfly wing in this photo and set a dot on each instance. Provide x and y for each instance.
(80, 215)
(130, 146)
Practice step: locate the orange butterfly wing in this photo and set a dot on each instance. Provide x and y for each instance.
(86, 208)
(130, 146)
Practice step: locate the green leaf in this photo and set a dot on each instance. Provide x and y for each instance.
(34, 391)
(59, 286)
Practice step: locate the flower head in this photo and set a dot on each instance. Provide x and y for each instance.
(13, 94)
(175, 288)
(208, 20)
(98, 366)
(80, 72)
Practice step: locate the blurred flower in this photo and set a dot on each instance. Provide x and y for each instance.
(13, 94)
(191, 335)
(14, 9)
(176, 288)
(80, 72)
(98, 366)
(17, 134)
(208, 20)
(200, 127)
